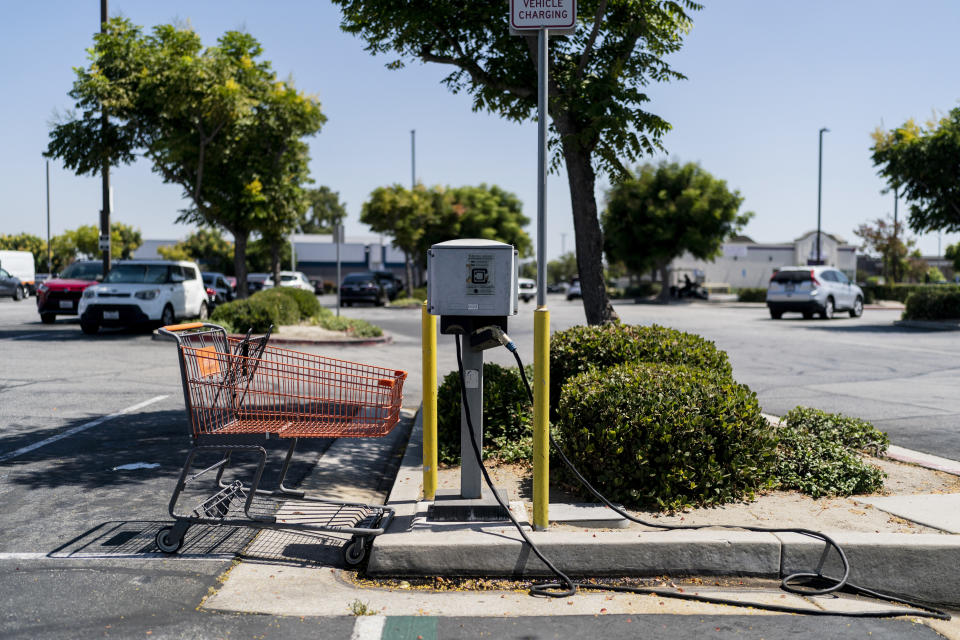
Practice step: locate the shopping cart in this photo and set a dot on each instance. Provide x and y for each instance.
(239, 392)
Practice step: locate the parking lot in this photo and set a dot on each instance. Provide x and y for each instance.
(92, 435)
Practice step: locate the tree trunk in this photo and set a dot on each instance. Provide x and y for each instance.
(664, 281)
(240, 261)
(409, 266)
(275, 262)
(589, 239)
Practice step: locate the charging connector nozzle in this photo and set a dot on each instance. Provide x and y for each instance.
(491, 336)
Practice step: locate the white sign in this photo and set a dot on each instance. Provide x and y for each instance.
(530, 15)
(104, 243)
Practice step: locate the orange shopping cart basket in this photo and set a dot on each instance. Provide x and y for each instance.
(239, 392)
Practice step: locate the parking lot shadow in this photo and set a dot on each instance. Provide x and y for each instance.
(60, 333)
(138, 455)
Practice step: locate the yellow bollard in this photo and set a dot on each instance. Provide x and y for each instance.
(428, 338)
(541, 418)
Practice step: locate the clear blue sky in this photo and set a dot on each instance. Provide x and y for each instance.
(763, 77)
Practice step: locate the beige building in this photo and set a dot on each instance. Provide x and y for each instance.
(745, 263)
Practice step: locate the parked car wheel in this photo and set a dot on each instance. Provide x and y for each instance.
(18, 293)
(89, 328)
(167, 316)
(827, 312)
(48, 318)
(204, 312)
(857, 309)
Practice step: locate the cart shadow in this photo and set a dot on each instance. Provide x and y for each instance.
(135, 539)
(135, 454)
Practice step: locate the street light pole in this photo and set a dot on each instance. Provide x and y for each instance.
(819, 192)
(105, 172)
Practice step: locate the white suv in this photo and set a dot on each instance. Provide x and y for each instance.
(810, 290)
(144, 291)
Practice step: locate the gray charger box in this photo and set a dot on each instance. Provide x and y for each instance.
(472, 277)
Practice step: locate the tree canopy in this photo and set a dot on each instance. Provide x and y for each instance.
(215, 121)
(598, 80)
(326, 211)
(887, 241)
(923, 164)
(666, 210)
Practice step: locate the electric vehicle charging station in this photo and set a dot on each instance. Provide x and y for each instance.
(472, 286)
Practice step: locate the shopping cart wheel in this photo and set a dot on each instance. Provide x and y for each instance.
(355, 551)
(165, 544)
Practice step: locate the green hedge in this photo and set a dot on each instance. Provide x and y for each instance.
(578, 349)
(940, 303)
(667, 437)
(900, 292)
(257, 314)
(752, 294)
(818, 453)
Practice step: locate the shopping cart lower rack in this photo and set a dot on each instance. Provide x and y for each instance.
(239, 392)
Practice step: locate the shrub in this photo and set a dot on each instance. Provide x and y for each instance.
(900, 292)
(353, 326)
(420, 293)
(288, 310)
(579, 349)
(752, 294)
(306, 300)
(506, 415)
(933, 304)
(665, 436)
(817, 453)
(642, 290)
(240, 315)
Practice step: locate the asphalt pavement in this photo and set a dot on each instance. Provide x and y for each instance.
(92, 435)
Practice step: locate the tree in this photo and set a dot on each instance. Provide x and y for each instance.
(207, 247)
(666, 210)
(952, 253)
(889, 243)
(326, 211)
(597, 88)
(923, 164)
(201, 116)
(419, 218)
(563, 269)
(124, 239)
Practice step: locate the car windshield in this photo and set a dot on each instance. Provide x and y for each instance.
(358, 278)
(139, 274)
(83, 271)
(287, 278)
(792, 276)
(209, 278)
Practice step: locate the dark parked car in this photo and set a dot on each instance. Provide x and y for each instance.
(389, 282)
(218, 282)
(258, 281)
(362, 287)
(59, 296)
(11, 286)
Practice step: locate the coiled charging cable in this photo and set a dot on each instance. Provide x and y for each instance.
(565, 587)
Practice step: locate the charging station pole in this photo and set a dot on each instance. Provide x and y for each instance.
(559, 19)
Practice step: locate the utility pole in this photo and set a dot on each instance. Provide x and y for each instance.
(413, 158)
(894, 265)
(819, 191)
(105, 172)
(49, 250)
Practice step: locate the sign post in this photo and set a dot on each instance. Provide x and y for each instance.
(544, 17)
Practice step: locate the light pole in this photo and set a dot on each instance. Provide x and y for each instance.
(820, 191)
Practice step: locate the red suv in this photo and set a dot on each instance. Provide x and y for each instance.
(59, 296)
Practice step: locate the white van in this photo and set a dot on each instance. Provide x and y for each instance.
(19, 264)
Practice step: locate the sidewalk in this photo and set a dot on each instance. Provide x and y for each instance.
(745, 566)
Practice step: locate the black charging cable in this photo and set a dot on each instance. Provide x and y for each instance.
(565, 587)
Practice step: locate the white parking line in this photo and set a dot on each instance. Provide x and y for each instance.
(368, 628)
(78, 429)
(219, 557)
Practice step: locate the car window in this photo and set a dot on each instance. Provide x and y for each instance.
(841, 277)
(829, 276)
(83, 271)
(139, 274)
(4, 274)
(782, 277)
(189, 273)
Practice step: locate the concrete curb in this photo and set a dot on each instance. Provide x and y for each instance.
(917, 565)
(277, 340)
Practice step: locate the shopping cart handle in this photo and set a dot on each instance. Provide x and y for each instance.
(182, 327)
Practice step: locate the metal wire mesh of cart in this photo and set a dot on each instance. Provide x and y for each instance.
(288, 393)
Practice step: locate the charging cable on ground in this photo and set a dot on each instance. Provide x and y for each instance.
(565, 587)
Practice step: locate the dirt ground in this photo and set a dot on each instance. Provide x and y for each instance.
(772, 509)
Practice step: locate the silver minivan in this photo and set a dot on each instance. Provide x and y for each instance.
(810, 290)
